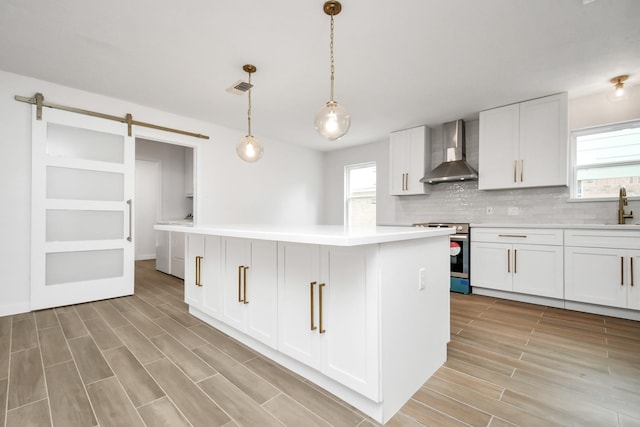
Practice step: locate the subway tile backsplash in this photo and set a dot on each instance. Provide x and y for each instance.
(463, 202)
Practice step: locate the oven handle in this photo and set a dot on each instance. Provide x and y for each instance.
(459, 237)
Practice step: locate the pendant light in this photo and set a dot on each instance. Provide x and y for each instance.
(249, 148)
(618, 83)
(332, 120)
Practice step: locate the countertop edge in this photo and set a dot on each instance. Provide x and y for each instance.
(628, 227)
(322, 235)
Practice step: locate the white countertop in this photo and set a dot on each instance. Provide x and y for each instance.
(629, 227)
(335, 235)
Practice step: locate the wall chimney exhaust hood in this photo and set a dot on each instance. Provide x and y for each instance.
(455, 166)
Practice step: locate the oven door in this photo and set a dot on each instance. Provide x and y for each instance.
(459, 255)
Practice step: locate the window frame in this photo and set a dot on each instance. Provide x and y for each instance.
(573, 141)
(346, 192)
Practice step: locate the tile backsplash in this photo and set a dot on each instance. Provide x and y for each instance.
(463, 202)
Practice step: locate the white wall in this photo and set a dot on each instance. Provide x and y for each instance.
(334, 163)
(147, 207)
(281, 188)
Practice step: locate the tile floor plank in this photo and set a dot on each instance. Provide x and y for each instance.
(225, 343)
(143, 323)
(291, 413)
(69, 402)
(26, 379)
(23, 333)
(184, 359)
(242, 409)
(188, 397)
(102, 334)
(33, 414)
(179, 332)
(138, 384)
(109, 313)
(111, 404)
(89, 360)
(4, 384)
(46, 318)
(54, 346)
(162, 413)
(140, 346)
(72, 325)
(86, 311)
(5, 352)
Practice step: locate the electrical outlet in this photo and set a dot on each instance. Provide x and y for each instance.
(513, 210)
(489, 211)
(421, 279)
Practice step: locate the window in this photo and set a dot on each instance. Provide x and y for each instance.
(604, 158)
(360, 194)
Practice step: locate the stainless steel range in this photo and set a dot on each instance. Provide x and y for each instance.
(459, 255)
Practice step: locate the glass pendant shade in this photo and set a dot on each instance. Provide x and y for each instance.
(332, 121)
(249, 149)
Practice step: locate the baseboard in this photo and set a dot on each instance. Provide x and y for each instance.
(145, 257)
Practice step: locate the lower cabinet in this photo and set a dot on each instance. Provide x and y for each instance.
(328, 311)
(202, 273)
(602, 268)
(249, 287)
(528, 268)
(177, 254)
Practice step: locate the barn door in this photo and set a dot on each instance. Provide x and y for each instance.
(82, 226)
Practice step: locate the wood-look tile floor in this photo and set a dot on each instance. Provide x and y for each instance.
(143, 360)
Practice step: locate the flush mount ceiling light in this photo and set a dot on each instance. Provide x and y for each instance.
(332, 121)
(249, 148)
(618, 82)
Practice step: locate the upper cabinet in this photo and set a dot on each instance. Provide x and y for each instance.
(410, 158)
(524, 145)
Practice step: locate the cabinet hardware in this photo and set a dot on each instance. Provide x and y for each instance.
(239, 283)
(508, 260)
(244, 300)
(515, 167)
(515, 261)
(631, 261)
(521, 236)
(621, 271)
(311, 285)
(322, 331)
(402, 182)
(198, 260)
(406, 185)
(521, 170)
(130, 203)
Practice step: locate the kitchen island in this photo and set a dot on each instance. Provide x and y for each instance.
(363, 313)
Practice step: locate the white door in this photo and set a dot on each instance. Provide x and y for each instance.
(82, 228)
(262, 292)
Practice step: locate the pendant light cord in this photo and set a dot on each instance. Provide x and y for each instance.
(332, 66)
(249, 109)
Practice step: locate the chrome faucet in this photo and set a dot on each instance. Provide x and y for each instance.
(622, 202)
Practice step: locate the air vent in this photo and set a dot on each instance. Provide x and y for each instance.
(239, 87)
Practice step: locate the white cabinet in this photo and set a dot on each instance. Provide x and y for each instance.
(524, 145)
(328, 311)
(409, 159)
(177, 254)
(202, 273)
(250, 287)
(601, 267)
(527, 261)
(163, 251)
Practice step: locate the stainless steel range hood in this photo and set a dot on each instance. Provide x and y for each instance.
(455, 166)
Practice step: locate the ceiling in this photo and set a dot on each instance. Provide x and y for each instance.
(398, 64)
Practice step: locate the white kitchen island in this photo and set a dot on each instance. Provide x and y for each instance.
(363, 313)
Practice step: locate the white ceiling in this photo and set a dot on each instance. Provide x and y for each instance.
(398, 63)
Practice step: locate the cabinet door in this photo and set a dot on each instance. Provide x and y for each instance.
(544, 142)
(595, 275)
(498, 148)
(416, 160)
(491, 265)
(538, 270)
(298, 276)
(163, 251)
(350, 317)
(210, 276)
(235, 256)
(261, 296)
(193, 293)
(177, 254)
(398, 154)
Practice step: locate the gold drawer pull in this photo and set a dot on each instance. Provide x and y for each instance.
(508, 260)
(521, 170)
(520, 236)
(322, 330)
(515, 261)
(198, 263)
(621, 271)
(515, 167)
(631, 260)
(244, 300)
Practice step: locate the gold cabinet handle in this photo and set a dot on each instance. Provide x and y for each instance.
(322, 330)
(198, 263)
(621, 271)
(631, 263)
(515, 167)
(521, 170)
(406, 186)
(311, 285)
(521, 236)
(515, 261)
(239, 283)
(508, 260)
(244, 300)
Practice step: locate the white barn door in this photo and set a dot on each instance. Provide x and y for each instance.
(82, 213)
